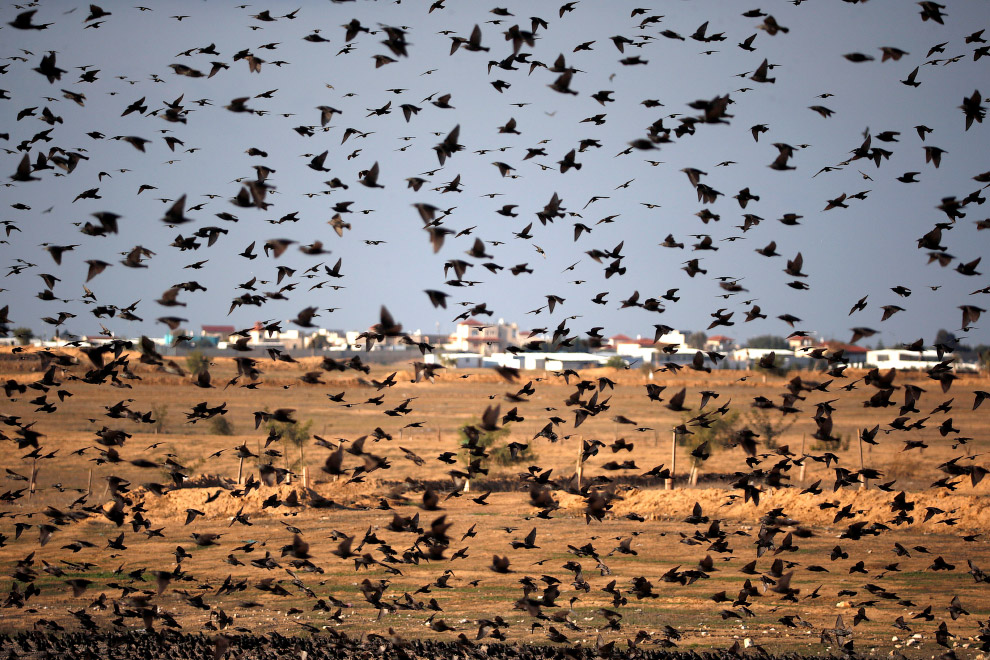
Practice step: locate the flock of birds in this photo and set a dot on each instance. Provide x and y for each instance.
(289, 274)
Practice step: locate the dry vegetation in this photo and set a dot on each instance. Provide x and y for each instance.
(330, 508)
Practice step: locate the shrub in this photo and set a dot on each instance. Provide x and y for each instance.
(196, 362)
(296, 433)
(717, 434)
(23, 335)
(983, 357)
(502, 455)
(498, 454)
(191, 465)
(779, 367)
(769, 427)
(616, 362)
(220, 426)
(160, 412)
(767, 341)
(696, 339)
(841, 442)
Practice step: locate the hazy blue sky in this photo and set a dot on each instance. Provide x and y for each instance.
(862, 250)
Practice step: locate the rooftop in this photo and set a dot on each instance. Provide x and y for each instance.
(218, 329)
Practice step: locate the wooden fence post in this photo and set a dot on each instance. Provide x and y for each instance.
(863, 482)
(673, 459)
(804, 461)
(580, 461)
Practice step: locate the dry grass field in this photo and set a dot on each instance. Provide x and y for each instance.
(438, 582)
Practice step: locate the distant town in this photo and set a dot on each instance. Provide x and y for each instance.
(477, 344)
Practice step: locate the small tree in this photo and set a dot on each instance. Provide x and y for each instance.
(716, 434)
(767, 341)
(696, 339)
(578, 345)
(946, 337)
(840, 442)
(23, 335)
(196, 362)
(982, 356)
(295, 433)
(160, 411)
(220, 426)
(768, 426)
(192, 464)
(779, 366)
(498, 452)
(616, 362)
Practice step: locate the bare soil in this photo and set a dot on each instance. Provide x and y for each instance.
(280, 594)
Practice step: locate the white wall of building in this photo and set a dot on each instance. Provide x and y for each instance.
(899, 358)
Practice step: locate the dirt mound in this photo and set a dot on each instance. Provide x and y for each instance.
(220, 502)
(959, 512)
(963, 512)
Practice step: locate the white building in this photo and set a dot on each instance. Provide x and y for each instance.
(746, 358)
(683, 355)
(646, 349)
(473, 336)
(332, 340)
(555, 361)
(456, 360)
(290, 340)
(719, 343)
(535, 361)
(899, 358)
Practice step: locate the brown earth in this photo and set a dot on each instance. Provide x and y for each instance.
(662, 542)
